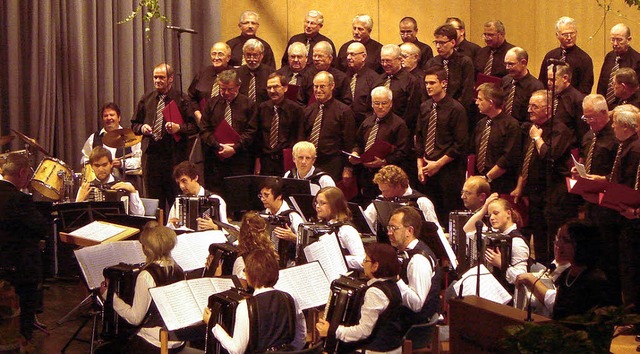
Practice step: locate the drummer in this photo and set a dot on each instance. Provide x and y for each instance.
(110, 114)
(102, 164)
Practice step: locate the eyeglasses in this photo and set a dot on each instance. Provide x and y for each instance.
(263, 196)
(567, 34)
(489, 35)
(353, 54)
(441, 43)
(393, 228)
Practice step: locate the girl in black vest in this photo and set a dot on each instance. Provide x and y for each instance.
(277, 322)
(160, 269)
(378, 329)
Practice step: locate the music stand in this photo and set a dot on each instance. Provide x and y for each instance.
(303, 204)
(245, 189)
(76, 215)
(360, 222)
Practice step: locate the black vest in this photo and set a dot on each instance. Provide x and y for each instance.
(273, 321)
(162, 276)
(388, 332)
(501, 275)
(314, 178)
(97, 141)
(432, 303)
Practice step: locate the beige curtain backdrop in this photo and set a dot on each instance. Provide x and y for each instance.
(64, 59)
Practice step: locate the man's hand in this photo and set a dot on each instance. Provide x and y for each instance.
(206, 224)
(347, 173)
(516, 194)
(226, 151)
(431, 168)
(124, 186)
(535, 132)
(83, 192)
(353, 160)
(146, 129)
(172, 128)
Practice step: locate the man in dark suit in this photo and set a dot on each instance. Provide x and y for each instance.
(165, 142)
(21, 228)
(253, 75)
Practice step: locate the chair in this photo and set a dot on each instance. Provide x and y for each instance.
(314, 349)
(428, 331)
(151, 209)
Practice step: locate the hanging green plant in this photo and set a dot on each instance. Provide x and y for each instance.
(152, 10)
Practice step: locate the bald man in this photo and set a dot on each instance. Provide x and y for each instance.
(623, 54)
(248, 24)
(362, 80)
(361, 27)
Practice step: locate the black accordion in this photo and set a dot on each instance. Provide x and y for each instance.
(223, 307)
(492, 240)
(307, 234)
(343, 308)
(225, 252)
(122, 281)
(191, 208)
(458, 239)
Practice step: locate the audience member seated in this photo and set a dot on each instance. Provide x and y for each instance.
(102, 164)
(379, 329)
(580, 287)
(160, 269)
(332, 209)
(304, 157)
(186, 176)
(273, 309)
(505, 221)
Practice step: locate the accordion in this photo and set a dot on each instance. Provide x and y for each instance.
(225, 252)
(307, 234)
(491, 240)
(458, 239)
(343, 308)
(122, 281)
(223, 311)
(191, 208)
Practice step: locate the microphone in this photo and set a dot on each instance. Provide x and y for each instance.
(479, 226)
(462, 283)
(556, 62)
(182, 29)
(549, 270)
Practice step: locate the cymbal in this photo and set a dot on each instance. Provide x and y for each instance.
(32, 142)
(120, 138)
(6, 139)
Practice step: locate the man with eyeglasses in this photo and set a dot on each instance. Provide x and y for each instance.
(408, 34)
(278, 127)
(382, 125)
(420, 278)
(313, 23)
(475, 192)
(203, 85)
(463, 46)
(284, 237)
(329, 126)
(223, 159)
(407, 93)
(304, 156)
(625, 88)
(322, 59)
(249, 24)
(459, 68)
(362, 79)
(622, 55)
(361, 27)
(253, 74)
(519, 84)
(297, 70)
(569, 52)
(490, 59)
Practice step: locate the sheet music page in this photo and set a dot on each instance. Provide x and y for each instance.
(306, 283)
(192, 249)
(177, 305)
(490, 287)
(580, 167)
(94, 259)
(97, 231)
(327, 251)
(448, 249)
(202, 288)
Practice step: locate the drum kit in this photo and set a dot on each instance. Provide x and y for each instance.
(53, 178)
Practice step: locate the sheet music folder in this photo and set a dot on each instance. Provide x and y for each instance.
(588, 189)
(98, 232)
(225, 134)
(618, 197)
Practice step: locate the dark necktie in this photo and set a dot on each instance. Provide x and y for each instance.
(275, 123)
(610, 93)
(157, 123)
(616, 165)
(527, 160)
(592, 147)
(489, 65)
(317, 124)
(508, 107)
(484, 143)
(430, 141)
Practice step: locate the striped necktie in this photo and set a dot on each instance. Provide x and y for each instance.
(352, 85)
(215, 89)
(527, 160)
(157, 123)
(445, 63)
(430, 141)
(387, 83)
(610, 93)
(508, 107)
(252, 87)
(372, 135)
(227, 114)
(616, 164)
(275, 123)
(563, 57)
(592, 147)
(637, 184)
(489, 65)
(484, 143)
(294, 79)
(317, 124)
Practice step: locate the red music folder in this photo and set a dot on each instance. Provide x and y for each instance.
(225, 134)
(292, 92)
(587, 188)
(379, 149)
(287, 158)
(618, 197)
(172, 114)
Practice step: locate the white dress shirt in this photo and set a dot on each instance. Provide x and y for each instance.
(419, 273)
(174, 212)
(130, 163)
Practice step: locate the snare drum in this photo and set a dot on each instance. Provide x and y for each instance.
(48, 179)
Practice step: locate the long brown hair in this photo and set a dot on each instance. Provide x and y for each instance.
(337, 203)
(254, 234)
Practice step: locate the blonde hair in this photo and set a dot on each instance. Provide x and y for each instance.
(158, 241)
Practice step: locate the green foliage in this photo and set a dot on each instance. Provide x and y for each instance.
(152, 10)
(633, 3)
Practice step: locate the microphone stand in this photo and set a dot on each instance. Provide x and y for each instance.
(479, 226)
(550, 161)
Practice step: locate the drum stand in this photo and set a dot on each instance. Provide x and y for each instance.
(94, 312)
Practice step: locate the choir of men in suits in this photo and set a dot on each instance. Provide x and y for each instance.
(313, 22)
(249, 24)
